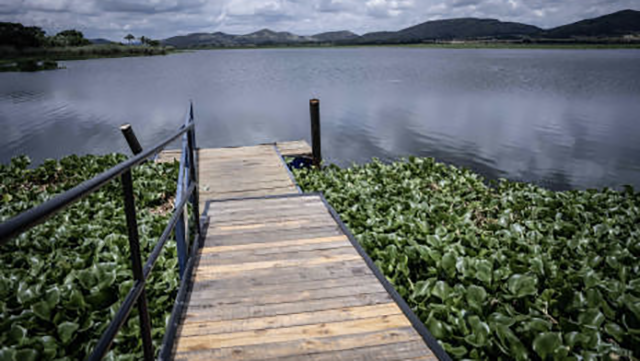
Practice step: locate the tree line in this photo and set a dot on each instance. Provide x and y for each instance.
(18, 36)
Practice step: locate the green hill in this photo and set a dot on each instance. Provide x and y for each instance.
(618, 24)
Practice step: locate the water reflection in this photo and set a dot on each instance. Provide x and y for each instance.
(564, 119)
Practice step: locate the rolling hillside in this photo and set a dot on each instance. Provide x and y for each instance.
(622, 23)
(618, 24)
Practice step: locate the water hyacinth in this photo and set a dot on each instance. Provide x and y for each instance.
(510, 271)
(62, 282)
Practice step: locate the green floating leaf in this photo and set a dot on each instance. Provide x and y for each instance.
(484, 271)
(522, 285)
(7, 354)
(76, 300)
(592, 318)
(441, 290)
(26, 355)
(449, 262)
(66, 330)
(476, 296)
(87, 278)
(547, 343)
(435, 327)
(42, 310)
(52, 296)
(49, 347)
(17, 334)
(479, 332)
(511, 345)
(421, 289)
(615, 330)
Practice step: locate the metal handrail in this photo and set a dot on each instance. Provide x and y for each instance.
(44, 211)
(182, 234)
(34, 216)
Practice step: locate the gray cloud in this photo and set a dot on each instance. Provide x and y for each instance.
(163, 18)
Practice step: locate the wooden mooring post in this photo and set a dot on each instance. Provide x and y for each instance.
(131, 138)
(316, 148)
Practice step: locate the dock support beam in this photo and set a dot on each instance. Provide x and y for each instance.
(314, 108)
(131, 138)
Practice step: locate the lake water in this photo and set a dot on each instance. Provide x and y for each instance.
(560, 118)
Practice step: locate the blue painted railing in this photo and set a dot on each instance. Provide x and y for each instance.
(182, 229)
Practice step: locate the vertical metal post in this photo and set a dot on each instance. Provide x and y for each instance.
(136, 263)
(314, 108)
(195, 200)
(193, 138)
(131, 138)
(181, 244)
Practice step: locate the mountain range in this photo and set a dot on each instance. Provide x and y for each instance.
(619, 24)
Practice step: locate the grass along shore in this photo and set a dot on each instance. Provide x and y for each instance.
(34, 59)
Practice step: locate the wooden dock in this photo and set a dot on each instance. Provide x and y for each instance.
(279, 277)
(242, 172)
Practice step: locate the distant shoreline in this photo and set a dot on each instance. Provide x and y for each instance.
(576, 46)
(46, 59)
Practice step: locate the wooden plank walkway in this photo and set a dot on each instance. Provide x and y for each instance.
(278, 278)
(241, 172)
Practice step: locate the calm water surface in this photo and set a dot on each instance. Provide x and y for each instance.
(561, 118)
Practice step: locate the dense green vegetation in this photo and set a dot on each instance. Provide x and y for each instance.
(62, 282)
(25, 48)
(503, 271)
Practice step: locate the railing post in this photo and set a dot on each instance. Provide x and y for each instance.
(181, 244)
(136, 263)
(195, 200)
(131, 138)
(314, 108)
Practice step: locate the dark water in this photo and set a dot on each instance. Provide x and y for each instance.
(561, 118)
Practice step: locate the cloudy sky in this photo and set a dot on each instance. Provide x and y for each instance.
(163, 18)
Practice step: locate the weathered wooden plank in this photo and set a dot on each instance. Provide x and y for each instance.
(290, 245)
(261, 253)
(284, 276)
(251, 257)
(265, 217)
(266, 336)
(206, 300)
(253, 193)
(275, 236)
(235, 180)
(298, 319)
(211, 272)
(294, 148)
(266, 202)
(247, 311)
(403, 351)
(259, 206)
(267, 227)
(305, 349)
(261, 214)
(281, 288)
